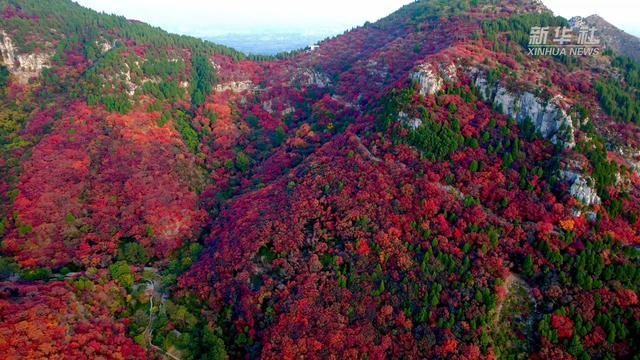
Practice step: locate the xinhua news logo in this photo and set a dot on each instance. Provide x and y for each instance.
(558, 41)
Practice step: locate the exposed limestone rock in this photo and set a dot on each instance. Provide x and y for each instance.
(124, 78)
(632, 156)
(412, 124)
(377, 72)
(267, 106)
(23, 66)
(549, 118)
(104, 46)
(450, 73)
(287, 111)
(131, 87)
(341, 99)
(635, 163)
(309, 77)
(431, 79)
(235, 86)
(428, 79)
(580, 188)
(581, 122)
(591, 216)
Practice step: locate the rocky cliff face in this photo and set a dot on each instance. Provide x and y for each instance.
(104, 46)
(632, 156)
(130, 85)
(411, 123)
(22, 66)
(548, 117)
(635, 163)
(310, 77)
(580, 188)
(431, 78)
(235, 86)
(428, 79)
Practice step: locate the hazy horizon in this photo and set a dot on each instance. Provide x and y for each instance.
(250, 16)
(229, 23)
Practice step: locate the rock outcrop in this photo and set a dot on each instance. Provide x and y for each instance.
(377, 72)
(104, 46)
(287, 111)
(130, 85)
(309, 77)
(268, 106)
(428, 79)
(411, 123)
(548, 117)
(235, 86)
(580, 188)
(22, 66)
(635, 163)
(632, 156)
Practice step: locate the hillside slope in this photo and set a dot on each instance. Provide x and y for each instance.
(618, 40)
(418, 187)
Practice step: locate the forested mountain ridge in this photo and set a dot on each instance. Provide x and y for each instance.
(418, 187)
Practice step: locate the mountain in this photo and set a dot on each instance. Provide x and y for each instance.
(418, 187)
(619, 41)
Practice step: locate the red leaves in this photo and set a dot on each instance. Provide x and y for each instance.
(544, 229)
(363, 248)
(322, 243)
(225, 132)
(345, 206)
(266, 120)
(48, 321)
(82, 191)
(551, 351)
(448, 347)
(442, 225)
(563, 325)
(341, 220)
(626, 297)
(596, 337)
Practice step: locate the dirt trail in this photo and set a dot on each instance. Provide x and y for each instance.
(510, 283)
(514, 316)
(152, 289)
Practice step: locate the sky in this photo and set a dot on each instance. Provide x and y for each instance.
(327, 17)
(210, 18)
(624, 14)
